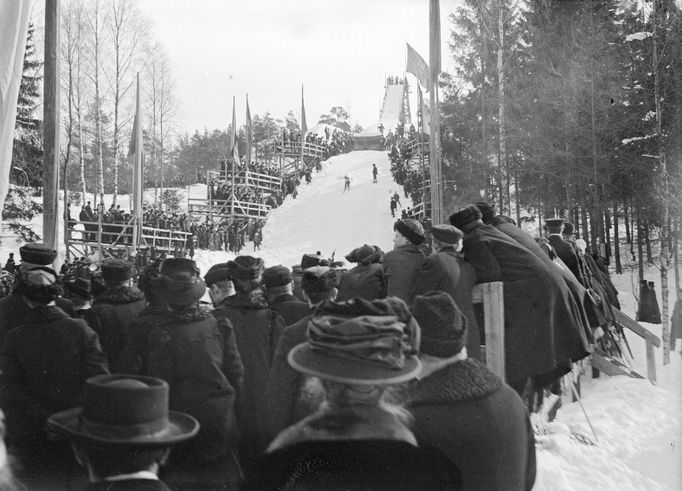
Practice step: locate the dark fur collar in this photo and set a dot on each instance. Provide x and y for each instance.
(119, 294)
(461, 381)
(194, 313)
(253, 300)
(45, 315)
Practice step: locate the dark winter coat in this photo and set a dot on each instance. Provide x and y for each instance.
(565, 250)
(196, 354)
(466, 412)
(400, 270)
(365, 281)
(111, 312)
(352, 465)
(542, 334)
(290, 308)
(13, 309)
(128, 485)
(45, 363)
(284, 383)
(448, 271)
(135, 354)
(586, 308)
(257, 329)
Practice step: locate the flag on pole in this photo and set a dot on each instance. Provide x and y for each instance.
(434, 40)
(304, 125)
(234, 141)
(417, 66)
(249, 132)
(135, 155)
(424, 111)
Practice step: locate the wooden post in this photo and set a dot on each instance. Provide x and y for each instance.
(650, 361)
(491, 296)
(434, 140)
(51, 123)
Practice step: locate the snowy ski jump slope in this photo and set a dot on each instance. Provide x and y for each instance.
(393, 102)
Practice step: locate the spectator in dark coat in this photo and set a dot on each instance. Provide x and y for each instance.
(278, 285)
(356, 439)
(564, 249)
(13, 308)
(196, 354)
(124, 454)
(366, 280)
(257, 328)
(307, 261)
(114, 308)
(463, 410)
(45, 363)
(401, 264)
(448, 271)
(284, 383)
(542, 335)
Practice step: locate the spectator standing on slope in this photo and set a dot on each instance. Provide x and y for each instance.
(346, 186)
(374, 173)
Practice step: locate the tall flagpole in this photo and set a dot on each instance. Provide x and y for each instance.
(434, 140)
(51, 124)
(138, 172)
(233, 140)
(302, 125)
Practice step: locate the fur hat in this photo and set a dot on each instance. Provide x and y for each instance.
(40, 284)
(465, 218)
(276, 276)
(245, 268)
(487, 212)
(360, 342)
(116, 270)
(318, 279)
(37, 254)
(366, 254)
(217, 272)
(443, 326)
(446, 233)
(125, 410)
(81, 287)
(569, 228)
(179, 282)
(411, 229)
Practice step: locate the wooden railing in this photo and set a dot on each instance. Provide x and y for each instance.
(121, 235)
(223, 208)
(294, 149)
(491, 296)
(248, 178)
(650, 339)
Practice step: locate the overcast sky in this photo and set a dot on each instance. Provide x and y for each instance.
(339, 49)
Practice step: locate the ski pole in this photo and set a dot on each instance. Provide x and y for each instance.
(577, 396)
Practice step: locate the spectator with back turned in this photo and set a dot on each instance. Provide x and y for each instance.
(402, 263)
(278, 285)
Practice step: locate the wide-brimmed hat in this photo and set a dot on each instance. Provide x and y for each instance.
(127, 410)
(360, 342)
(554, 224)
(179, 282)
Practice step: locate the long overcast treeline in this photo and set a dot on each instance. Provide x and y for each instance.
(574, 109)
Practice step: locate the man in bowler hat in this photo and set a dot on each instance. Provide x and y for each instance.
(124, 431)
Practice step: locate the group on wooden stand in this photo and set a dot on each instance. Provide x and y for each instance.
(288, 381)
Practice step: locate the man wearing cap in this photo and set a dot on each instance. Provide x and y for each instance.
(401, 264)
(43, 367)
(366, 280)
(278, 285)
(13, 308)
(284, 383)
(257, 328)
(124, 432)
(564, 249)
(462, 409)
(448, 271)
(115, 307)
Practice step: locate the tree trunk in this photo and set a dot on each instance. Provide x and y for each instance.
(640, 243)
(616, 239)
(626, 218)
(607, 229)
(647, 242)
(583, 219)
(502, 162)
(484, 136)
(98, 111)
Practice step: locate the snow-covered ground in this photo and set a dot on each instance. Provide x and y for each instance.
(637, 424)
